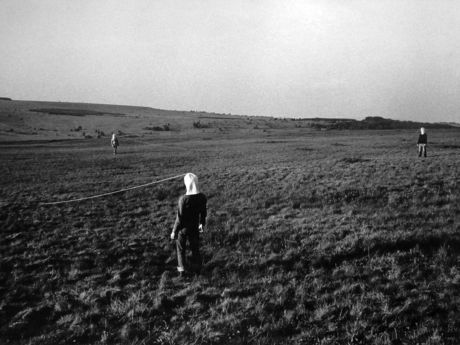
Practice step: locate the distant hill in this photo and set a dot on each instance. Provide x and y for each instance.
(33, 120)
(453, 124)
(377, 122)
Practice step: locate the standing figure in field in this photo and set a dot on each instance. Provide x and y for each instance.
(421, 143)
(114, 142)
(190, 221)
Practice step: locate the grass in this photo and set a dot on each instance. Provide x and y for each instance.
(325, 238)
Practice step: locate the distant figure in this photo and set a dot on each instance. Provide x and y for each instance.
(190, 221)
(114, 142)
(421, 143)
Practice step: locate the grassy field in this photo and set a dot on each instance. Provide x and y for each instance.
(315, 237)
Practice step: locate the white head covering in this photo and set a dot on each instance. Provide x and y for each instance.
(191, 184)
(422, 130)
(113, 136)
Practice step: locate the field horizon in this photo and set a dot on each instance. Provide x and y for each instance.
(44, 120)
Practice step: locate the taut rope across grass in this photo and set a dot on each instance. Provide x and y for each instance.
(111, 193)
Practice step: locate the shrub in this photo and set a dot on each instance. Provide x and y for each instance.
(166, 127)
(99, 133)
(198, 124)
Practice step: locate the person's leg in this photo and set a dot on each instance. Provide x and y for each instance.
(181, 243)
(420, 150)
(424, 150)
(194, 240)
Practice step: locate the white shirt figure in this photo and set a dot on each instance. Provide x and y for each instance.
(114, 142)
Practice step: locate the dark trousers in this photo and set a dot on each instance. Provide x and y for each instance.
(193, 239)
(422, 149)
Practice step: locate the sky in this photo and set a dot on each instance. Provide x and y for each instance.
(308, 58)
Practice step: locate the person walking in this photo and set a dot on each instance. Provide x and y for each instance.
(422, 142)
(114, 142)
(190, 221)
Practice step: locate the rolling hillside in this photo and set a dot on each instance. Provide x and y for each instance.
(32, 120)
(28, 120)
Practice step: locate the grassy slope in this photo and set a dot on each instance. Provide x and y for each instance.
(18, 123)
(28, 120)
(327, 238)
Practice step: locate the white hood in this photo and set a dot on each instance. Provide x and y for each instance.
(422, 130)
(114, 136)
(191, 184)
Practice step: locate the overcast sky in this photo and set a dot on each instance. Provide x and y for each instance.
(328, 58)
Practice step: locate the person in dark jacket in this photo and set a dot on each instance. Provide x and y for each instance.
(421, 143)
(190, 221)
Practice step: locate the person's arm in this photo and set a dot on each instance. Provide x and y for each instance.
(203, 213)
(178, 222)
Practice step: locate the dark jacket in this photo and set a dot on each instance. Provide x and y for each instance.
(422, 139)
(191, 212)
